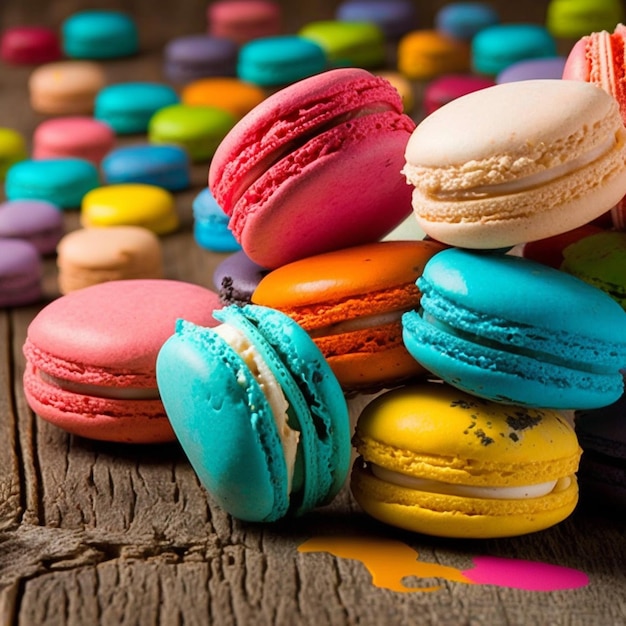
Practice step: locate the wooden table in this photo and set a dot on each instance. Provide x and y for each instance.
(95, 533)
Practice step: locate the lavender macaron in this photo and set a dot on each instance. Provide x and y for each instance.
(236, 278)
(37, 221)
(21, 271)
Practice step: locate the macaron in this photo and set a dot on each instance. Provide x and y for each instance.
(521, 171)
(599, 259)
(448, 87)
(62, 181)
(295, 174)
(29, 45)
(210, 224)
(88, 256)
(224, 92)
(531, 69)
(403, 86)
(73, 136)
(437, 461)
(91, 357)
(348, 44)
(190, 57)
(12, 149)
(528, 335)
(549, 251)
(244, 20)
(463, 20)
(163, 165)
(393, 17)
(273, 62)
(427, 53)
(66, 87)
(351, 302)
(131, 204)
(197, 129)
(258, 412)
(99, 34)
(602, 473)
(569, 19)
(21, 273)
(236, 277)
(127, 107)
(496, 47)
(36, 221)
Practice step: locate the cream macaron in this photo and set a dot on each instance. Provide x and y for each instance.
(517, 162)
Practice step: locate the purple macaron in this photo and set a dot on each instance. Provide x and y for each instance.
(37, 221)
(21, 271)
(236, 278)
(191, 57)
(530, 69)
(394, 17)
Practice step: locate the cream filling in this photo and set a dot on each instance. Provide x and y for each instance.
(101, 391)
(528, 182)
(468, 491)
(272, 390)
(358, 323)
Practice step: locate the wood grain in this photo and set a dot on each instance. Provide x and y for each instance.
(94, 533)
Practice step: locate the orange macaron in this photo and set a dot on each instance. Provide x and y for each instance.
(226, 92)
(351, 301)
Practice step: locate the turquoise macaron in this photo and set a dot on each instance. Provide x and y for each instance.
(496, 47)
(99, 34)
(61, 181)
(258, 412)
(128, 107)
(210, 224)
(280, 60)
(514, 331)
(163, 165)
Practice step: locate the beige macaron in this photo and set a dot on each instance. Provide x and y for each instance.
(517, 162)
(65, 87)
(88, 256)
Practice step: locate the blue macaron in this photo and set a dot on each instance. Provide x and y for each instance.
(514, 331)
(463, 20)
(62, 181)
(258, 412)
(99, 34)
(210, 226)
(128, 107)
(163, 165)
(280, 60)
(496, 47)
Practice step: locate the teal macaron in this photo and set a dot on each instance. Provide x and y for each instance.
(61, 181)
(99, 34)
(198, 129)
(258, 412)
(514, 331)
(280, 60)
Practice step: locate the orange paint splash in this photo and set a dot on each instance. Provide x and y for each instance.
(388, 561)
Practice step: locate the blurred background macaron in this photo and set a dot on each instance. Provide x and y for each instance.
(12, 149)
(21, 273)
(463, 20)
(570, 19)
(29, 45)
(39, 222)
(394, 17)
(244, 20)
(210, 226)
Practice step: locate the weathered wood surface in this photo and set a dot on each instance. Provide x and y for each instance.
(94, 533)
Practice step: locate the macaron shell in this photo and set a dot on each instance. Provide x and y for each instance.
(39, 222)
(232, 94)
(21, 273)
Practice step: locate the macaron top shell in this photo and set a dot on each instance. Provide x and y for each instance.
(447, 435)
(110, 333)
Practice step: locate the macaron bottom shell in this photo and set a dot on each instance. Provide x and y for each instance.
(454, 516)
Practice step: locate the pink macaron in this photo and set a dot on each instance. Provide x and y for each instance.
(315, 167)
(91, 356)
(30, 45)
(78, 136)
(244, 20)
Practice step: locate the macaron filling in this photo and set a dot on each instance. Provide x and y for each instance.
(550, 174)
(270, 387)
(100, 391)
(359, 323)
(517, 492)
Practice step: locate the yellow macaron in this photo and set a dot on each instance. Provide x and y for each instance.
(133, 204)
(441, 462)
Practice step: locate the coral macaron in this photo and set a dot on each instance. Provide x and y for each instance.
(351, 302)
(315, 167)
(91, 356)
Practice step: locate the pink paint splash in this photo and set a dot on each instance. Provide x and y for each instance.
(526, 575)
